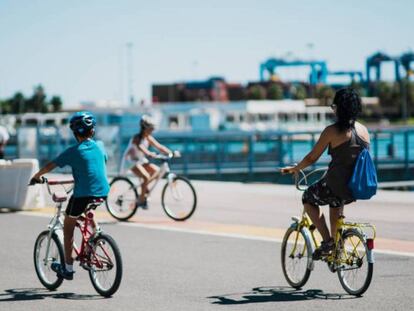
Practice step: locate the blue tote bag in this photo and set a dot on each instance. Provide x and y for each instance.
(363, 183)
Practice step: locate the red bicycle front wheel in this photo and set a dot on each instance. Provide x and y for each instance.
(105, 265)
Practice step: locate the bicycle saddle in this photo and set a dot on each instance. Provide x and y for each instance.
(95, 203)
(59, 196)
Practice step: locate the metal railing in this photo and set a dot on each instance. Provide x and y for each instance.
(218, 153)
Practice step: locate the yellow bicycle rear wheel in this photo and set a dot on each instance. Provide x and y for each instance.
(354, 270)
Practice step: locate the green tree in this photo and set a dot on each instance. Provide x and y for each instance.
(56, 103)
(17, 103)
(256, 92)
(299, 92)
(384, 91)
(275, 92)
(37, 103)
(410, 97)
(357, 86)
(325, 94)
(4, 107)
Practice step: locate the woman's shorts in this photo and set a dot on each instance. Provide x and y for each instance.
(320, 194)
(77, 206)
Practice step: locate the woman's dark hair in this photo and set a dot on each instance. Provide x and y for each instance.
(348, 107)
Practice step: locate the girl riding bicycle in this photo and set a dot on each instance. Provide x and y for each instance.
(138, 151)
(344, 139)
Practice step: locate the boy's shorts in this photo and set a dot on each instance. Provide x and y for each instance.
(77, 206)
(320, 194)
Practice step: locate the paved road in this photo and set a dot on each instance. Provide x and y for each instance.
(265, 210)
(226, 257)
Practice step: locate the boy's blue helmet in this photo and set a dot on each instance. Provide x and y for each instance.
(82, 122)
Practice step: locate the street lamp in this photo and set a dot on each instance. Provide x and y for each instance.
(130, 73)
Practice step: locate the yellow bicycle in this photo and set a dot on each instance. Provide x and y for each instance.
(352, 257)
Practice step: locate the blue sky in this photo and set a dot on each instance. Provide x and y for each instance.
(77, 49)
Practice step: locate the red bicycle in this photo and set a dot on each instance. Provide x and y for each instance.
(97, 253)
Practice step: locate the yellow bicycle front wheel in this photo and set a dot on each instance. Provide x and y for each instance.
(296, 257)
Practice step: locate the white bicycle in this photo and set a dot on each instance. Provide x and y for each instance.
(178, 197)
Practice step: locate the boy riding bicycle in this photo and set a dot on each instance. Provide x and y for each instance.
(88, 162)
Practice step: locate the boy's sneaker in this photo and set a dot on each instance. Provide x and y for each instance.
(61, 271)
(323, 250)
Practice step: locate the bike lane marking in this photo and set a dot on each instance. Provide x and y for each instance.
(382, 245)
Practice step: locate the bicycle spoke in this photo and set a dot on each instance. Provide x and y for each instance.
(179, 199)
(295, 258)
(354, 272)
(45, 253)
(106, 267)
(122, 199)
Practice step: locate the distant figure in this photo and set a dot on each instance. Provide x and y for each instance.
(136, 154)
(390, 150)
(4, 137)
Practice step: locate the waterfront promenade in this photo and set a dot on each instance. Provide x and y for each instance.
(227, 256)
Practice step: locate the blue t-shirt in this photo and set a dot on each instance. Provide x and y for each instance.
(87, 160)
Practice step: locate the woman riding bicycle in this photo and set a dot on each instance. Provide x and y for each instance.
(138, 151)
(344, 139)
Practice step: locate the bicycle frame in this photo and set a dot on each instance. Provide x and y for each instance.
(305, 222)
(89, 230)
(56, 223)
(360, 227)
(164, 171)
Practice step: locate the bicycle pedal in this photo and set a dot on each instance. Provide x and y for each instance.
(86, 267)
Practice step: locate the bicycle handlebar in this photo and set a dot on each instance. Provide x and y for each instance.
(44, 180)
(33, 181)
(60, 182)
(301, 179)
(164, 157)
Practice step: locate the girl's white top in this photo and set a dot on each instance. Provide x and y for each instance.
(133, 155)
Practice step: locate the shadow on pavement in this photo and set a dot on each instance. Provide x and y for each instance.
(24, 294)
(4, 210)
(276, 294)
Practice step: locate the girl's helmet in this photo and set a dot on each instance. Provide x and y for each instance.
(82, 122)
(146, 122)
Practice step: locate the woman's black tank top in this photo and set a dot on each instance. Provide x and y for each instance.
(342, 165)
